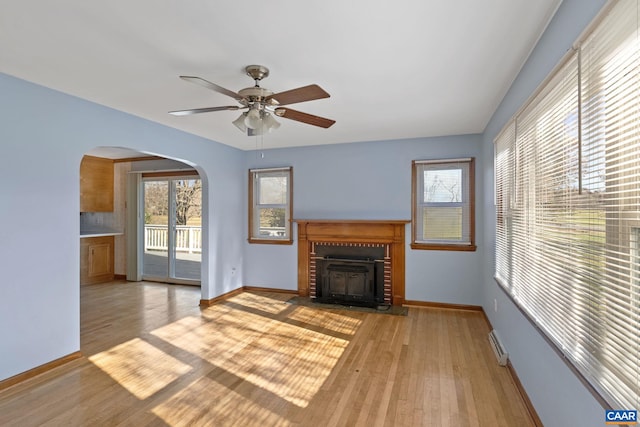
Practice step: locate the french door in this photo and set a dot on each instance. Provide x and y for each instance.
(172, 235)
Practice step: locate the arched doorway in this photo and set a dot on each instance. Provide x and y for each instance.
(149, 241)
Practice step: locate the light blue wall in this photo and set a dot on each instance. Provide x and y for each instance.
(557, 394)
(370, 180)
(43, 135)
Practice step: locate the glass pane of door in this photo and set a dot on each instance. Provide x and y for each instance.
(187, 197)
(172, 230)
(156, 226)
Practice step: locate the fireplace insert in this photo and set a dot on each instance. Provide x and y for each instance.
(350, 280)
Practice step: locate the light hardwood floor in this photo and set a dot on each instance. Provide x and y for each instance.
(153, 357)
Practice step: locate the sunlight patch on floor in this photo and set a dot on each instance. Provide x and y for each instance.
(337, 322)
(218, 339)
(140, 367)
(205, 402)
(288, 360)
(292, 362)
(258, 302)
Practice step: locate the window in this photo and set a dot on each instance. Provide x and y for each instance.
(568, 207)
(443, 204)
(270, 205)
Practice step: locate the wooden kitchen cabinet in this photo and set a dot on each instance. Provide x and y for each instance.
(96, 184)
(96, 260)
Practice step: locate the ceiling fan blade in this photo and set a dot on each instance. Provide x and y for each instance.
(299, 116)
(202, 110)
(212, 86)
(301, 94)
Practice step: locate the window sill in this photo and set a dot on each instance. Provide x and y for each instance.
(271, 241)
(443, 247)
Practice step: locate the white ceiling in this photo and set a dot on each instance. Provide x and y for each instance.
(402, 69)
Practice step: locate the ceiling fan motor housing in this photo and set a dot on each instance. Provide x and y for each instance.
(257, 94)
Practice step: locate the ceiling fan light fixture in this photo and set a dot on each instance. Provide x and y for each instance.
(257, 132)
(239, 123)
(253, 119)
(269, 122)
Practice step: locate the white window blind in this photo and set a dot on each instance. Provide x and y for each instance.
(504, 185)
(568, 207)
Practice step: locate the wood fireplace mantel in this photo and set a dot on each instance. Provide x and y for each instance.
(388, 232)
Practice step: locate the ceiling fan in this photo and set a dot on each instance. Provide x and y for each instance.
(262, 104)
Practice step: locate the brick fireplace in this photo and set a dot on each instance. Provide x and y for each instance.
(348, 246)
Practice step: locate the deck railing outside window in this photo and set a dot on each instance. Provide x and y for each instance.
(188, 238)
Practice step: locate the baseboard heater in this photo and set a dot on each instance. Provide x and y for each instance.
(498, 349)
